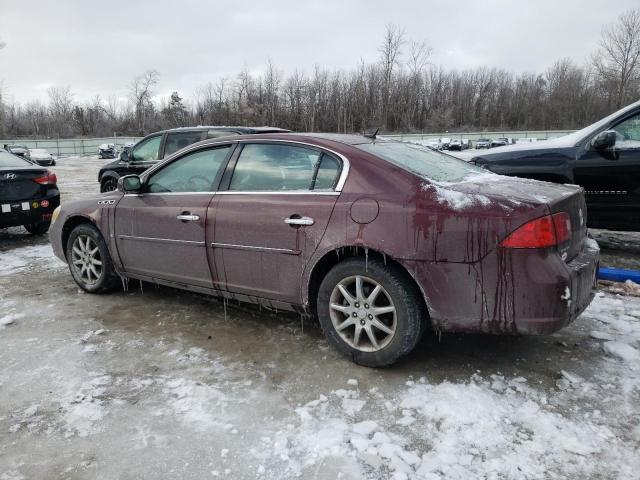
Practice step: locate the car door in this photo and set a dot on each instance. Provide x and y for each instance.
(144, 155)
(160, 232)
(270, 215)
(611, 178)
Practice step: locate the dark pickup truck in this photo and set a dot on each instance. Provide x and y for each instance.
(603, 158)
(156, 146)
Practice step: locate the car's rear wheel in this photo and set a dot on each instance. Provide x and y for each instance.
(39, 228)
(370, 312)
(89, 260)
(109, 184)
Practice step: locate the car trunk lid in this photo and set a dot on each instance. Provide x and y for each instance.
(515, 193)
(18, 183)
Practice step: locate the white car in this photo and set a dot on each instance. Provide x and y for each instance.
(42, 157)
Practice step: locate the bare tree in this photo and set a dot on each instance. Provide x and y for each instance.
(390, 52)
(60, 106)
(141, 90)
(617, 61)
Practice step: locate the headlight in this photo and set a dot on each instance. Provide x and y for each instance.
(54, 215)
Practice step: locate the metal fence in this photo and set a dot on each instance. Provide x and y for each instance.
(537, 134)
(70, 146)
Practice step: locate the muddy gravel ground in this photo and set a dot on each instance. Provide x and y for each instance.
(158, 383)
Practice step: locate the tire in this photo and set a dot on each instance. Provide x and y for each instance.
(407, 322)
(39, 228)
(109, 184)
(99, 155)
(86, 247)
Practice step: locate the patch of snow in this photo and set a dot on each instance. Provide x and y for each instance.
(20, 259)
(622, 350)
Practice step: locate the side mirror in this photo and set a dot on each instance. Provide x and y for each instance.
(604, 140)
(124, 155)
(129, 184)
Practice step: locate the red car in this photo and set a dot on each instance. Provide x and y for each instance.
(380, 239)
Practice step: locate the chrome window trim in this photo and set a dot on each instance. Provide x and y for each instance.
(164, 240)
(168, 193)
(287, 251)
(342, 179)
(278, 192)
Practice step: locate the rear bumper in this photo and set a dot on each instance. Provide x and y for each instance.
(35, 213)
(580, 286)
(510, 291)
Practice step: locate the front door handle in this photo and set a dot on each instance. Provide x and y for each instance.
(187, 217)
(296, 220)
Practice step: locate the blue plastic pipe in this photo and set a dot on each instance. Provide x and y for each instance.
(618, 274)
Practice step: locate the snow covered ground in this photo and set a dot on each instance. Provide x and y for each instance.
(157, 383)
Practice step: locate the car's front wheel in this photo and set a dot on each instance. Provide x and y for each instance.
(89, 260)
(370, 312)
(109, 184)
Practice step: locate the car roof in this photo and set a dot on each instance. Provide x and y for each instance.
(224, 128)
(327, 140)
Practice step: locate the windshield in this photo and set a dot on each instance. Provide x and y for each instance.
(9, 161)
(422, 161)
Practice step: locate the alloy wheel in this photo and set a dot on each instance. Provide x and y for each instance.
(86, 259)
(363, 313)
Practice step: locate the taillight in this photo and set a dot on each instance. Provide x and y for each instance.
(542, 232)
(48, 179)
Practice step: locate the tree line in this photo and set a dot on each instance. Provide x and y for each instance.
(401, 92)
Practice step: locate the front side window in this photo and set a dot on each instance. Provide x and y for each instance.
(195, 172)
(628, 133)
(423, 161)
(274, 168)
(177, 141)
(147, 150)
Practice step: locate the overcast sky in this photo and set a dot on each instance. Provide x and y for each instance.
(98, 47)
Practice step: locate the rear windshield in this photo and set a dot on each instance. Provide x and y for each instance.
(422, 161)
(8, 160)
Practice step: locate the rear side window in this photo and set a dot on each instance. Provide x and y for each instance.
(273, 168)
(220, 133)
(327, 175)
(177, 141)
(195, 172)
(422, 161)
(9, 161)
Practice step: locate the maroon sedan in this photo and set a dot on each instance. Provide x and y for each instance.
(380, 239)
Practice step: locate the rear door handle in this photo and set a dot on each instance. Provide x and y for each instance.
(188, 217)
(296, 220)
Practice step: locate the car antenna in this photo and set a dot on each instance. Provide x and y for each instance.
(370, 135)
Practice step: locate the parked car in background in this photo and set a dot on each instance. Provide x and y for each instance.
(107, 150)
(42, 157)
(483, 143)
(444, 143)
(499, 142)
(603, 158)
(434, 144)
(372, 236)
(20, 150)
(466, 144)
(28, 194)
(455, 145)
(156, 146)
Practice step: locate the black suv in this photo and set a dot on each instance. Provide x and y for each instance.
(156, 146)
(603, 158)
